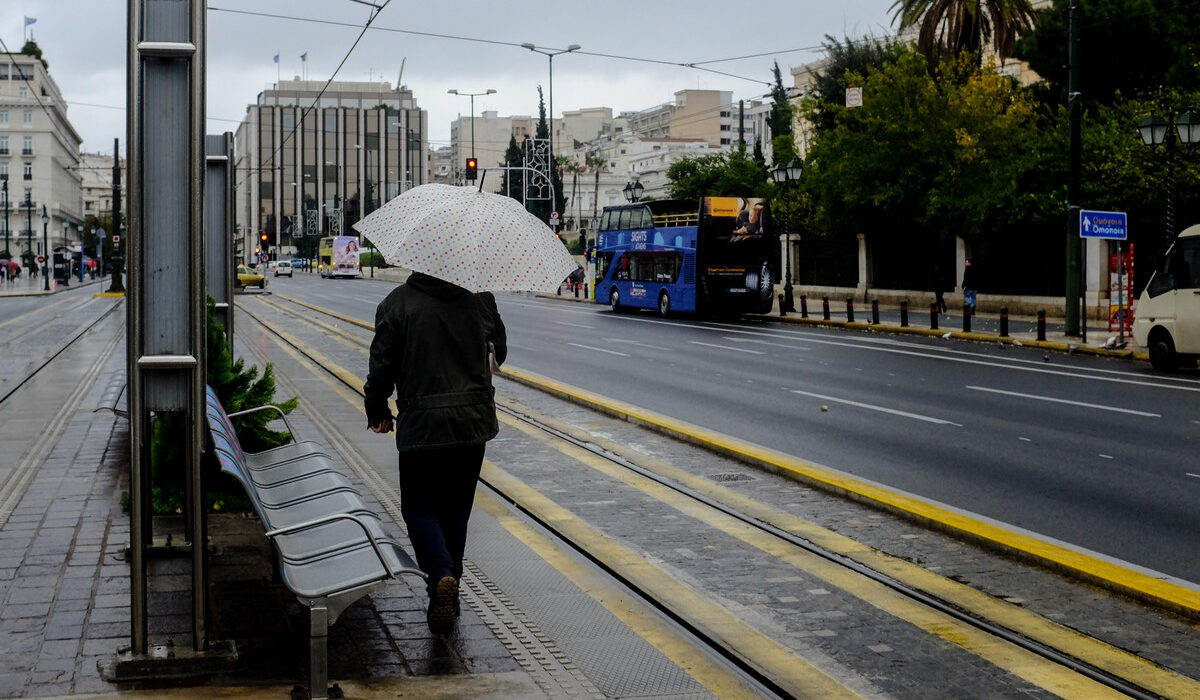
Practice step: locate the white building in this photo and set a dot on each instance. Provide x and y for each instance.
(39, 160)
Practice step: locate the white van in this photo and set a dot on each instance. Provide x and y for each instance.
(1167, 319)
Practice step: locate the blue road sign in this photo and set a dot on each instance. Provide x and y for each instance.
(1113, 225)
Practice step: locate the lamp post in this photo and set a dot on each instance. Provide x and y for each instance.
(29, 225)
(5, 190)
(45, 247)
(550, 55)
(472, 95)
(1156, 130)
(785, 175)
(633, 191)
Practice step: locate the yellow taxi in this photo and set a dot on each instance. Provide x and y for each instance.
(249, 278)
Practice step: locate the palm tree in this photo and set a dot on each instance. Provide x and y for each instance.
(949, 27)
(596, 163)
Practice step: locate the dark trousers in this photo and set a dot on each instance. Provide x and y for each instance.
(941, 301)
(437, 489)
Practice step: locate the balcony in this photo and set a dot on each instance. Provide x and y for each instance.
(27, 151)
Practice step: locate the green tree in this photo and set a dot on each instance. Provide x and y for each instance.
(949, 27)
(783, 142)
(512, 182)
(1114, 65)
(733, 174)
(542, 208)
(597, 164)
(851, 56)
(931, 157)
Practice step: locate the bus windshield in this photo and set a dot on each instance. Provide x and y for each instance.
(715, 256)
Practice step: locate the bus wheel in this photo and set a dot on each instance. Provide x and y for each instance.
(664, 304)
(614, 300)
(1162, 352)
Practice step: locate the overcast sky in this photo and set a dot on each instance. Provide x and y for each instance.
(466, 45)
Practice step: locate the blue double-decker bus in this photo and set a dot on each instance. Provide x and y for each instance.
(714, 257)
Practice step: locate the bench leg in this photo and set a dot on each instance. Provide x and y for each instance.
(318, 652)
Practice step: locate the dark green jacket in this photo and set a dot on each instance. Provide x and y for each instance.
(431, 350)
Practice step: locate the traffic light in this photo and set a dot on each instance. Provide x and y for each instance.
(472, 168)
(263, 237)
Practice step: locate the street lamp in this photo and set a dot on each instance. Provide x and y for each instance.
(785, 175)
(5, 190)
(45, 247)
(1154, 131)
(633, 191)
(472, 95)
(550, 55)
(81, 265)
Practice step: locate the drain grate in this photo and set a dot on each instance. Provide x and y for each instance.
(731, 476)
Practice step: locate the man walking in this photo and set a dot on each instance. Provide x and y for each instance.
(969, 287)
(432, 348)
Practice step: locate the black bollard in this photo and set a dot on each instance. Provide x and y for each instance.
(1041, 324)
(585, 290)
(967, 312)
(875, 312)
(904, 313)
(803, 306)
(849, 310)
(577, 286)
(1004, 321)
(782, 311)
(825, 308)
(933, 316)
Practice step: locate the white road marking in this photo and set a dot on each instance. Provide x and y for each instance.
(882, 409)
(640, 345)
(1024, 439)
(767, 342)
(1081, 404)
(726, 347)
(1191, 474)
(1104, 456)
(573, 325)
(589, 347)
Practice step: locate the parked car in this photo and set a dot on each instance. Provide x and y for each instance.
(284, 267)
(1166, 320)
(249, 278)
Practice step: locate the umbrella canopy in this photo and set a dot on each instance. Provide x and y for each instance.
(476, 240)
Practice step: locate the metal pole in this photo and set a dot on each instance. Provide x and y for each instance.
(46, 249)
(472, 125)
(6, 247)
(1120, 297)
(118, 262)
(1074, 147)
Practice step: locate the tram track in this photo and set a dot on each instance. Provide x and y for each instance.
(1108, 667)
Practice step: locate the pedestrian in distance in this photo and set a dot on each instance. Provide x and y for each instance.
(939, 288)
(434, 347)
(969, 286)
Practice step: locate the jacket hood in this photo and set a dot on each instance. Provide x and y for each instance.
(437, 288)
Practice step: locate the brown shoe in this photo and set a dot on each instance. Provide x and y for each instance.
(443, 606)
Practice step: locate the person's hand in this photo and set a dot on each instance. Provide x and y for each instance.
(384, 426)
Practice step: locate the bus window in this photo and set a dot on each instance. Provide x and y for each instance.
(653, 267)
(624, 223)
(643, 219)
(606, 223)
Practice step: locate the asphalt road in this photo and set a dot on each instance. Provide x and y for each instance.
(1099, 454)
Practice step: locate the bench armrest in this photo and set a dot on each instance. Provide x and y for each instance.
(324, 520)
(267, 408)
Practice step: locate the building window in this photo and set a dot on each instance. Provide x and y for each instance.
(22, 91)
(3, 145)
(3, 171)
(27, 117)
(3, 116)
(28, 171)
(27, 146)
(28, 195)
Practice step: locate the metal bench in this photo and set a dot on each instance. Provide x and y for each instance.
(332, 549)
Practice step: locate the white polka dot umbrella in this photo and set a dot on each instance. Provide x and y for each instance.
(477, 240)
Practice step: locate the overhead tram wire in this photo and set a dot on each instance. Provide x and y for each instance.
(375, 12)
